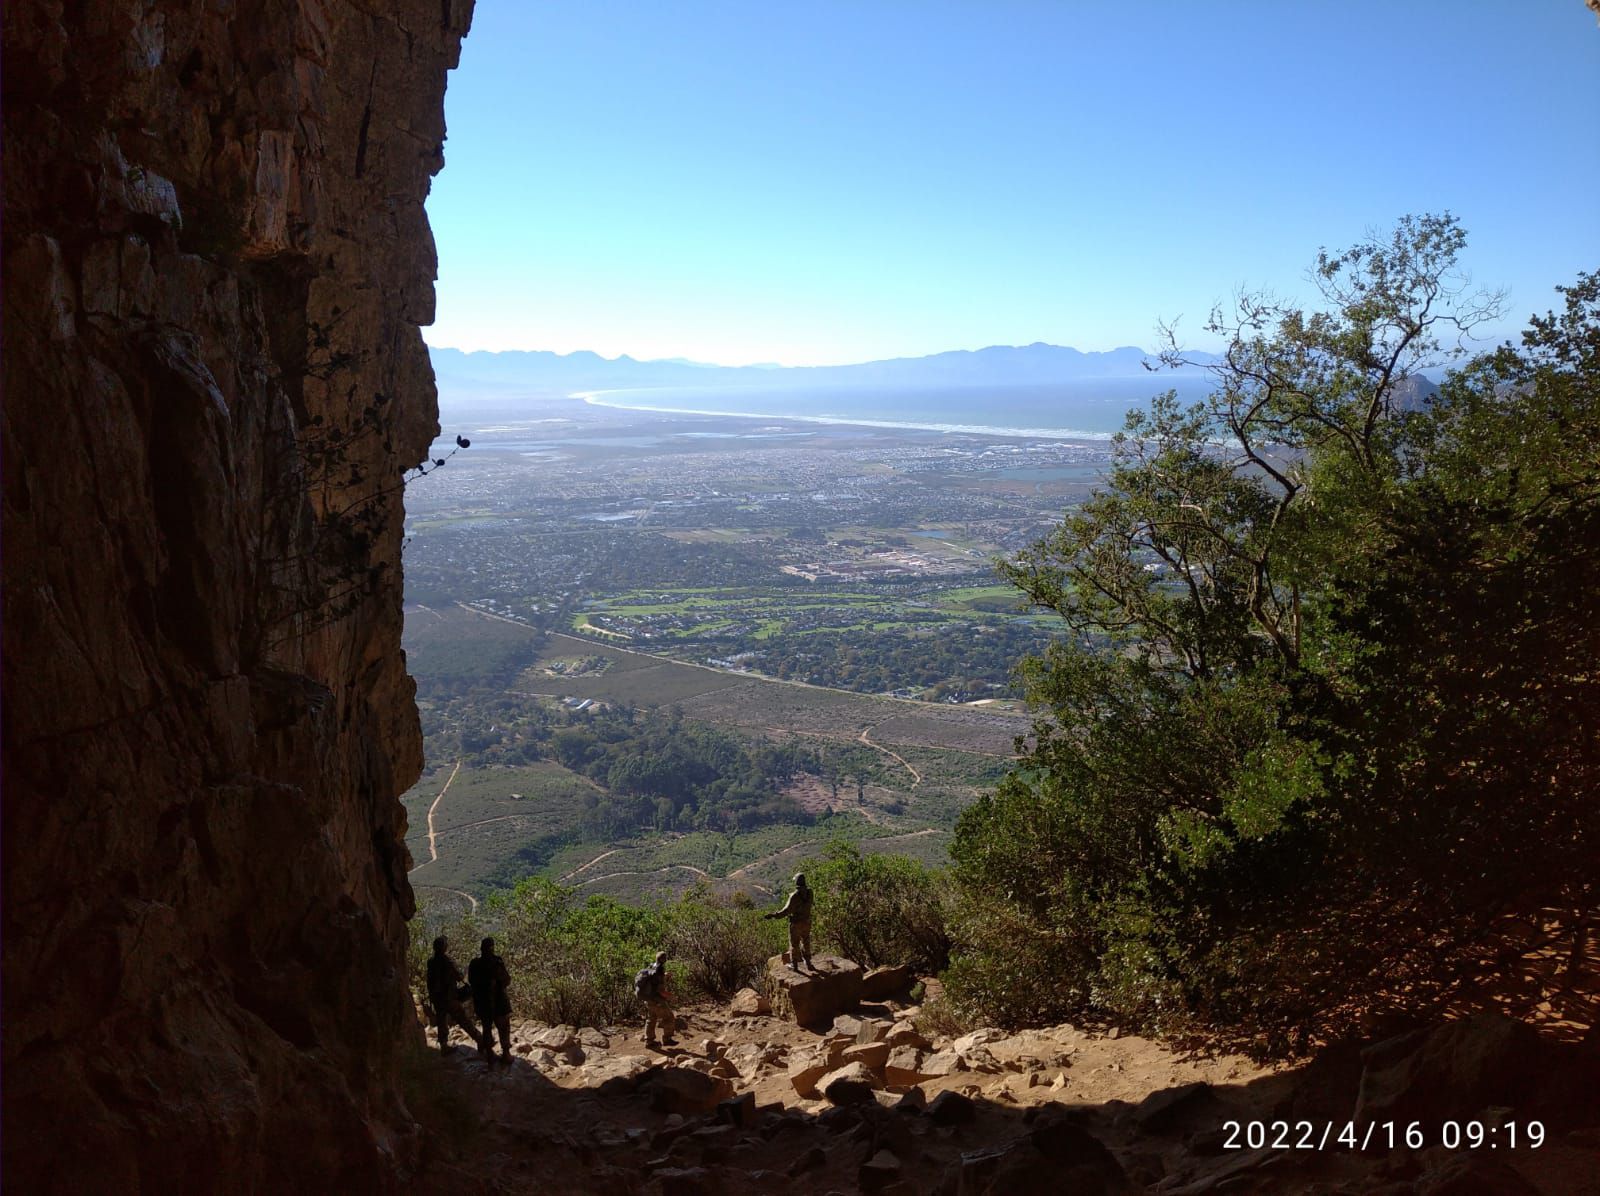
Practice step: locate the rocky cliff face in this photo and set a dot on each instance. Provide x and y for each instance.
(216, 260)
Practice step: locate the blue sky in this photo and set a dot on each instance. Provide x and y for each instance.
(832, 182)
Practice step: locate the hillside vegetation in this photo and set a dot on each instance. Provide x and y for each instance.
(1349, 714)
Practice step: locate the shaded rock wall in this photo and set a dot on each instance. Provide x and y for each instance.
(215, 262)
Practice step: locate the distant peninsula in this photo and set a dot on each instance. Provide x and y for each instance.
(1035, 364)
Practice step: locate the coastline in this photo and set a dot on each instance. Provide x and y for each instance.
(593, 399)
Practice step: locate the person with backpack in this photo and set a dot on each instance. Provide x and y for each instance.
(798, 910)
(650, 986)
(445, 993)
(491, 984)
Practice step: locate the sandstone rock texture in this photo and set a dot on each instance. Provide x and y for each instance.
(815, 996)
(216, 262)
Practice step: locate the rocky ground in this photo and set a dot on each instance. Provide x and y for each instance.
(749, 1101)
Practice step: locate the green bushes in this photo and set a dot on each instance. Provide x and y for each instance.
(881, 909)
(1347, 717)
(721, 943)
(572, 960)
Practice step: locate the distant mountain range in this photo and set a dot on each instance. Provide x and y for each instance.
(541, 371)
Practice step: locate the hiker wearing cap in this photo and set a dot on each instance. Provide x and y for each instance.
(798, 910)
(650, 986)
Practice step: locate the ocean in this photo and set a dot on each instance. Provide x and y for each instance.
(1091, 409)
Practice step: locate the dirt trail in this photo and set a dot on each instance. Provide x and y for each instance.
(433, 844)
(646, 872)
(585, 867)
(745, 869)
(470, 899)
(1143, 1116)
(922, 834)
(916, 777)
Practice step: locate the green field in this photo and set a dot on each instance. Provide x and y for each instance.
(918, 765)
(679, 616)
(453, 646)
(493, 825)
(632, 677)
(758, 862)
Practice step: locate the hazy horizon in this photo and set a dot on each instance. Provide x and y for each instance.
(849, 183)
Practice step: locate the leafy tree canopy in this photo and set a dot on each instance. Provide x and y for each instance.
(1327, 702)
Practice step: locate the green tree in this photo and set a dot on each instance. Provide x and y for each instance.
(1255, 784)
(881, 909)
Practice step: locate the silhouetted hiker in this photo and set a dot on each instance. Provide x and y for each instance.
(798, 910)
(650, 985)
(444, 994)
(491, 996)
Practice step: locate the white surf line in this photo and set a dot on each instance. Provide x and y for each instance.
(473, 901)
(433, 845)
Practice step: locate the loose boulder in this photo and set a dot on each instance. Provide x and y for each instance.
(817, 995)
(1054, 1156)
(871, 1055)
(738, 1111)
(1452, 1070)
(682, 1090)
(945, 1063)
(878, 1172)
(882, 983)
(951, 1108)
(977, 1038)
(747, 1002)
(562, 1041)
(904, 1066)
(852, 1084)
(981, 1058)
(616, 1074)
(1187, 1106)
(806, 1068)
(904, 1035)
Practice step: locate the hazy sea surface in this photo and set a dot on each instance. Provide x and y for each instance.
(1088, 409)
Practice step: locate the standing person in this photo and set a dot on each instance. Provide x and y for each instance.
(650, 985)
(798, 910)
(491, 995)
(444, 981)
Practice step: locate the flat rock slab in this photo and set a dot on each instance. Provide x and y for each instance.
(814, 996)
(613, 1074)
(680, 1090)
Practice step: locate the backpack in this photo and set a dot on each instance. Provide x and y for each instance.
(646, 982)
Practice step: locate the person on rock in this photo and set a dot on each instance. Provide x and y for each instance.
(651, 987)
(798, 910)
(491, 984)
(444, 995)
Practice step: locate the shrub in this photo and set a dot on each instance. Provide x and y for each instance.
(881, 909)
(464, 933)
(573, 963)
(722, 942)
